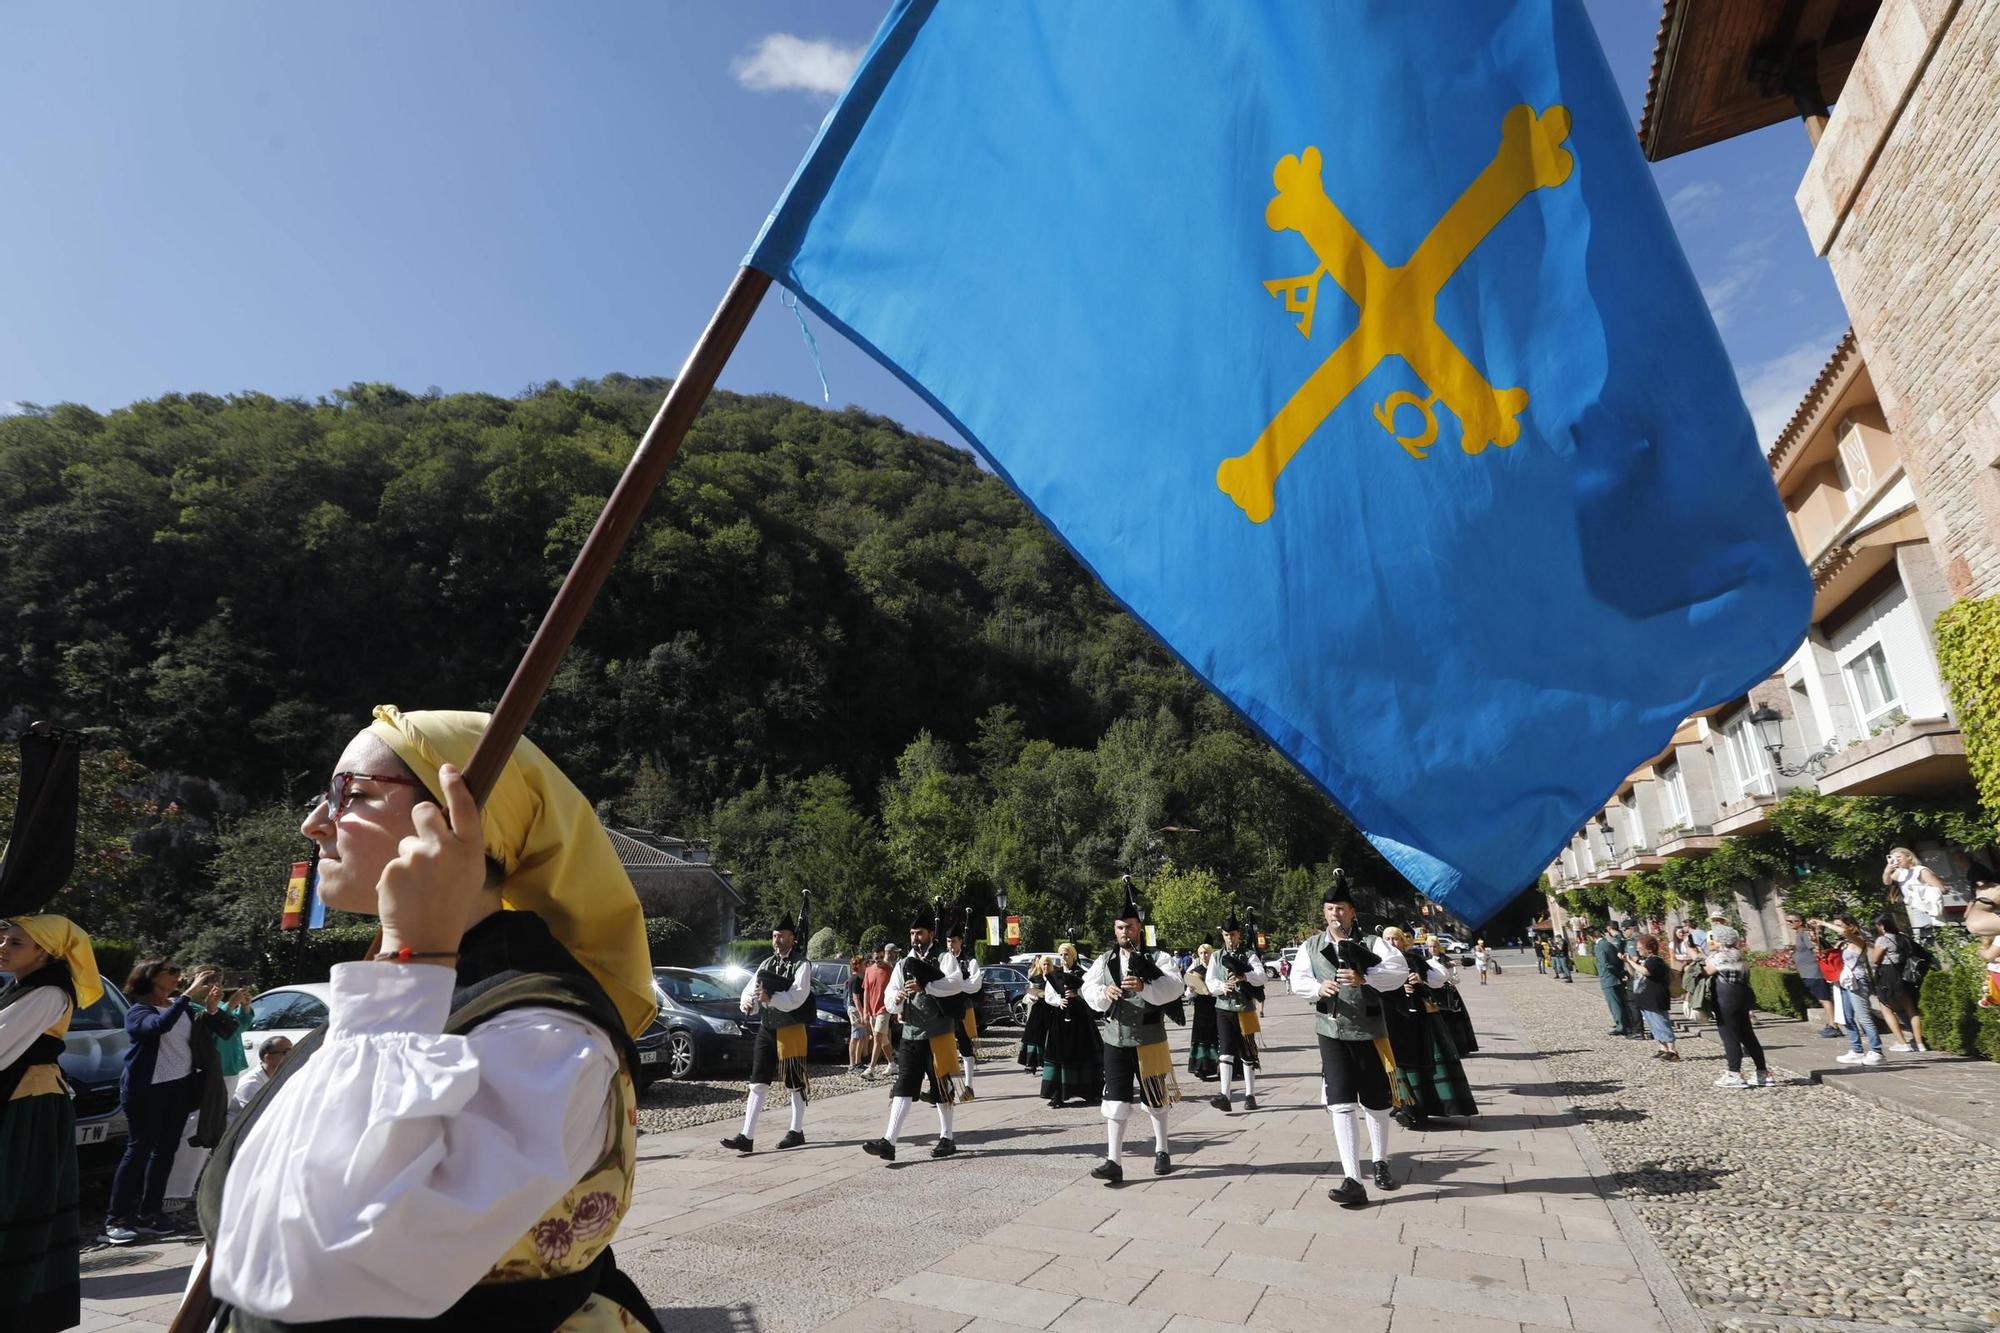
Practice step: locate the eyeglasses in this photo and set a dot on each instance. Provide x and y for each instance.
(342, 787)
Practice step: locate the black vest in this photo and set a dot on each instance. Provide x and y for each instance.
(777, 976)
(508, 961)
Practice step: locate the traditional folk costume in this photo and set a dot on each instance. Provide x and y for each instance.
(1073, 1050)
(1137, 1068)
(1429, 1078)
(1204, 1058)
(1353, 1042)
(39, 1233)
(1236, 979)
(780, 1048)
(927, 1051)
(456, 1148)
(1451, 1008)
(960, 1008)
(1035, 1028)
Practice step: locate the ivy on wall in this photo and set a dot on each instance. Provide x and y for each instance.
(1968, 646)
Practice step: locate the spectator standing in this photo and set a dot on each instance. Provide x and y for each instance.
(1559, 958)
(1731, 972)
(1920, 891)
(217, 1049)
(857, 1025)
(1609, 954)
(1684, 956)
(271, 1053)
(1652, 993)
(155, 1092)
(1805, 961)
(1481, 959)
(1887, 955)
(874, 1009)
(1857, 988)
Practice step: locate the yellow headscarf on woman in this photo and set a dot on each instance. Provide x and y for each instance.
(558, 859)
(62, 937)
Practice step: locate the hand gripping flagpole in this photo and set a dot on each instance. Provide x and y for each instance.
(574, 599)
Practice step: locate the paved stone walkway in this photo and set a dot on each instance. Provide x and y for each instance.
(1510, 1223)
(1835, 1200)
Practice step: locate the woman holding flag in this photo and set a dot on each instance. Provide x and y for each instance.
(457, 1144)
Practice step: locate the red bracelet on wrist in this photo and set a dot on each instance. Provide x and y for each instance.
(409, 955)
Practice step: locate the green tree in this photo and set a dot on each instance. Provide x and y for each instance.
(1186, 906)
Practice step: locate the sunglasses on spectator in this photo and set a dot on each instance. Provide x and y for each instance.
(341, 789)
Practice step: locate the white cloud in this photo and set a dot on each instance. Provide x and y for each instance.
(1773, 388)
(1692, 201)
(780, 62)
(1727, 293)
(8, 408)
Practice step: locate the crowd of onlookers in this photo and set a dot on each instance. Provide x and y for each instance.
(1862, 975)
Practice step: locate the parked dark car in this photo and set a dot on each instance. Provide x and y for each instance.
(93, 1057)
(703, 1029)
(1004, 987)
(826, 1038)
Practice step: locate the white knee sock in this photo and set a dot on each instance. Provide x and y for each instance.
(898, 1108)
(1343, 1138)
(754, 1107)
(1378, 1133)
(944, 1119)
(798, 1114)
(1114, 1128)
(1159, 1119)
(1228, 1067)
(1249, 1080)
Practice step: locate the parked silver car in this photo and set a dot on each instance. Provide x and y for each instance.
(93, 1057)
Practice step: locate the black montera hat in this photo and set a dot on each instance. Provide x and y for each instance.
(922, 920)
(1336, 890)
(1130, 911)
(954, 926)
(1229, 921)
(785, 923)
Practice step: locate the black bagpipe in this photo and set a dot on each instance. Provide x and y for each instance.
(769, 979)
(1148, 972)
(1352, 954)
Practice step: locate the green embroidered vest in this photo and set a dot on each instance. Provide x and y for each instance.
(1240, 999)
(1345, 1015)
(1130, 1022)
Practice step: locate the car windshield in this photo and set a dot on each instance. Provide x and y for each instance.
(691, 985)
(107, 1013)
(830, 978)
(1006, 974)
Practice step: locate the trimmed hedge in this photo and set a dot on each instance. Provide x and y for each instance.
(1949, 1004)
(747, 952)
(1779, 991)
(1584, 963)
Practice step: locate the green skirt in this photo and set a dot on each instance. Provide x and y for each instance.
(38, 1222)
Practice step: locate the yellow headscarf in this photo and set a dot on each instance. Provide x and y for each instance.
(558, 859)
(65, 939)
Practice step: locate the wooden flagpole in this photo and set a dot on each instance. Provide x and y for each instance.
(574, 599)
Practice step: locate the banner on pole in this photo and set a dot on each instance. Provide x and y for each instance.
(295, 897)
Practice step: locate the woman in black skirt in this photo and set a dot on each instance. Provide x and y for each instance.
(55, 974)
(1073, 1056)
(1887, 953)
(1204, 1055)
(1035, 1030)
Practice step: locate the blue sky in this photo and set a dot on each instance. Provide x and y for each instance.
(289, 198)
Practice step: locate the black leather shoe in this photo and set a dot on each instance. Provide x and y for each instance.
(1249, 1103)
(793, 1138)
(881, 1148)
(1055, 1103)
(740, 1143)
(1162, 1164)
(1219, 1102)
(1383, 1180)
(943, 1148)
(1109, 1172)
(1349, 1193)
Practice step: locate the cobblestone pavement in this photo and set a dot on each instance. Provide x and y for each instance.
(1796, 1201)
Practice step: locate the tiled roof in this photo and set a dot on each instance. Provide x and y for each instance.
(1795, 429)
(635, 852)
(1659, 62)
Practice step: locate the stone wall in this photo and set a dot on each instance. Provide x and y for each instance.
(1903, 199)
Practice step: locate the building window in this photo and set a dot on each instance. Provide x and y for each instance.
(1752, 769)
(1635, 828)
(1873, 688)
(1678, 810)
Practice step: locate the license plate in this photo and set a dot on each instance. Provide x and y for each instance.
(92, 1133)
(651, 1057)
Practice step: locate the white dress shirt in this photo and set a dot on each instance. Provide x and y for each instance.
(892, 998)
(788, 1000)
(28, 1018)
(1099, 991)
(1218, 977)
(388, 1176)
(1386, 975)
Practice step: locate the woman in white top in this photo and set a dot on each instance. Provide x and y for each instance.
(1482, 960)
(1919, 889)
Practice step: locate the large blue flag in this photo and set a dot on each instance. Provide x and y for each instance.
(1349, 345)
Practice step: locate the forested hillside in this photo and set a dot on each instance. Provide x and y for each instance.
(839, 650)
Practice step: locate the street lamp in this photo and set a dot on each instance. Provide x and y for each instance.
(1770, 724)
(1610, 838)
